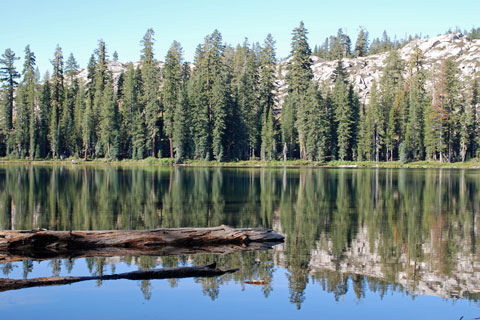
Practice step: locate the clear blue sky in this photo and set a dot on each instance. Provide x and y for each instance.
(77, 25)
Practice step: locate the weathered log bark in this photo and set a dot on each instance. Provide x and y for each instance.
(43, 244)
(166, 273)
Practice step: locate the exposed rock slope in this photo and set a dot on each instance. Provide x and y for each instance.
(362, 71)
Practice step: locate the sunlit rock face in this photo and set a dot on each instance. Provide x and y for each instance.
(362, 71)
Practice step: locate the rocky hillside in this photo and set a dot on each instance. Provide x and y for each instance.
(362, 71)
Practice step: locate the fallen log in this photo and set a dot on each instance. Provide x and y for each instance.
(44, 244)
(167, 273)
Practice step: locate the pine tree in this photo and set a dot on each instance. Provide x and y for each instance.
(91, 77)
(66, 122)
(150, 98)
(115, 56)
(268, 148)
(475, 140)
(266, 88)
(432, 130)
(8, 75)
(390, 82)
(219, 104)
(346, 44)
(466, 123)
(361, 45)
(393, 133)
(445, 105)
(366, 137)
(57, 101)
(88, 129)
(100, 77)
(109, 125)
(298, 79)
(386, 44)
(416, 100)
(45, 106)
(30, 107)
(180, 125)
(343, 117)
(318, 128)
(71, 67)
(299, 67)
(208, 67)
(288, 125)
(172, 81)
(22, 120)
(354, 103)
(246, 113)
(452, 104)
(373, 133)
(53, 132)
(68, 137)
(79, 110)
(129, 107)
(242, 100)
(201, 116)
(139, 136)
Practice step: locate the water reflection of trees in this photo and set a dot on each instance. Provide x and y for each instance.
(415, 220)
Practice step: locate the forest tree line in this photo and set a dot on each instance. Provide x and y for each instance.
(224, 106)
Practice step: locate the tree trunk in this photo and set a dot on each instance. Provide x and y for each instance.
(167, 273)
(43, 244)
(171, 147)
(154, 154)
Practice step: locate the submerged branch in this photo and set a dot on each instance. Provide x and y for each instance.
(167, 273)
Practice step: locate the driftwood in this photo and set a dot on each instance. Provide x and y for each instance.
(44, 244)
(166, 273)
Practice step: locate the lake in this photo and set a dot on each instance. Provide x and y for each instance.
(360, 243)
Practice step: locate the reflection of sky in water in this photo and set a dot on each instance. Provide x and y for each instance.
(372, 222)
(122, 299)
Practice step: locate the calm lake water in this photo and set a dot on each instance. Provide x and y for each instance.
(360, 243)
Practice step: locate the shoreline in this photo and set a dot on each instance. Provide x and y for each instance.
(471, 164)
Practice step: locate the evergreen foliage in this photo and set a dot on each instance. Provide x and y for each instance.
(266, 89)
(225, 106)
(299, 76)
(8, 77)
(172, 82)
(361, 45)
(150, 97)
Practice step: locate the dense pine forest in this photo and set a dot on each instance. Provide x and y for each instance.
(225, 106)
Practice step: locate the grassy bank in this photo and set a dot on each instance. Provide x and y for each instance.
(475, 163)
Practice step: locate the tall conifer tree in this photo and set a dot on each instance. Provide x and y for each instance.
(267, 98)
(150, 97)
(298, 78)
(9, 76)
(172, 82)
